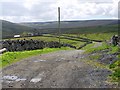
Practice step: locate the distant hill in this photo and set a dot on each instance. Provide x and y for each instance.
(70, 24)
(75, 26)
(10, 29)
(89, 26)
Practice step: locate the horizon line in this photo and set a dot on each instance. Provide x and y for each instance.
(61, 20)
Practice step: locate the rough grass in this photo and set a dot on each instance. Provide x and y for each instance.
(94, 57)
(88, 46)
(91, 48)
(116, 70)
(12, 57)
(114, 49)
(98, 36)
(115, 67)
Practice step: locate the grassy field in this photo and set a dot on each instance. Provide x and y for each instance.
(95, 36)
(94, 29)
(11, 57)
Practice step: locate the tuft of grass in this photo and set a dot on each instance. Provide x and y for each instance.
(11, 57)
(116, 75)
(114, 65)
(114, 49)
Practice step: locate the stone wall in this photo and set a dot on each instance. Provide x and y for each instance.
(21, 45)
(115, 40)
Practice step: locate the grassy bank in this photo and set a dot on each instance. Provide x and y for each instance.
(116, 70)
(103, 46)
(11, 57)
(115, 66)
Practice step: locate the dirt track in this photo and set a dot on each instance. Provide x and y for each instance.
(61, 69)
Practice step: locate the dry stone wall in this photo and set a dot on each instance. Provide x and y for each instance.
(21, 45)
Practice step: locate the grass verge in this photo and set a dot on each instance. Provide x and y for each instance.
(116, 70)
(114, 67)
(99, 48)
(8, 58)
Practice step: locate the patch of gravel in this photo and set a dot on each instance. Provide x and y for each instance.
(108, 58)
(103, 57)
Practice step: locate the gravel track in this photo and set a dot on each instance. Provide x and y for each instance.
(61, 69)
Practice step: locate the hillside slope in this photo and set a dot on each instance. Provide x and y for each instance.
(10, 29)
(89, 26)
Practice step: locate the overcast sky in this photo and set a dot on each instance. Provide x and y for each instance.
(46, 10)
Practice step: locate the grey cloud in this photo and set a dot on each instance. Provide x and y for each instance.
(47, 10)
(41, 8)
(13, 9)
